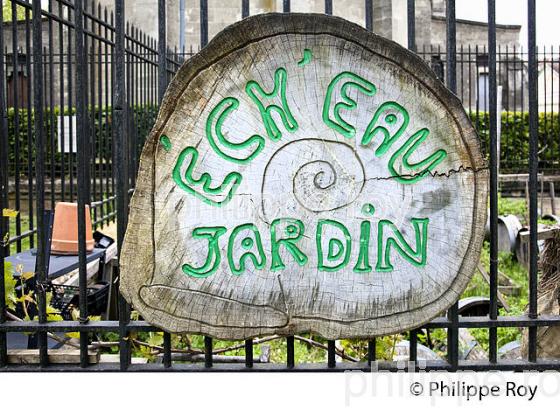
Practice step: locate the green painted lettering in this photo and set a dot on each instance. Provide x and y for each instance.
(251, 241)
(349, 80)
(292, 233)
(419, 169)
(337, 249)
(257, 94)
(307, 56)
(415, 257)
(187, 182)
(383, 117)
(213, 257)
(226, 149)
(362, 265)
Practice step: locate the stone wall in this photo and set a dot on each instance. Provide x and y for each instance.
(389, 19)
(473, 33)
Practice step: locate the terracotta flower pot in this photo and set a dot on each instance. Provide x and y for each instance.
(65, 229)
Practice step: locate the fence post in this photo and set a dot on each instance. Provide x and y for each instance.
(328, 7)
(40, 274)
(369, 15)
(162, 51)
(182, 27)
(245, 11)
(411, 23)
(120, 167)
(533, 176)
(162, 85)
(203, 23)
(453, 331)
(493, 352)
(83, 142)
(411, 33)
(4, 227)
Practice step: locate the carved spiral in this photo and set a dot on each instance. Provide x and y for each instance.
(312, 174)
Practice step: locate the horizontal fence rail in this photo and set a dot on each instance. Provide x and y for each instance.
(81, 92)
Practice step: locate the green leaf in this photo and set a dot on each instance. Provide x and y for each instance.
(10, 284)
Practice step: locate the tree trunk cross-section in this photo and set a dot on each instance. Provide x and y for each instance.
(304, 175)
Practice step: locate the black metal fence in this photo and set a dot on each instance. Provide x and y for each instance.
(81, 90)
(512, 67)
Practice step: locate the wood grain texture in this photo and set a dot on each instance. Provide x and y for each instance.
(345, 188)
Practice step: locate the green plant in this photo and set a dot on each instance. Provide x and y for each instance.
(9, 281)
(514, 152)
(10, 285)
(7, 12)
(478, 286)
(99, 119)
(512, 206)
(547, 222)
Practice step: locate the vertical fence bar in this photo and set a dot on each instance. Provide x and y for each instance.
(162, 57)
(331, 354)
(162, 85)
(208, 362)
(120, 165)
(133, 76)
(411, 34)
(90, 105)
(4, 227)
(40, 274)
(62, 135)
(203, 23)
(453, 331)
(286, 6)
(369, 14)
(450, 45)
(100, 135)
(106, 113)
(411, 25)
(552, 198)
(88, 80)
(15, 102)
(245, 11)
(30, 204)
(413, 346)
(533, 170)
(166, 350)
(49, 99)
(129, 58)
(493, 352)
(249, 353)
(70, 104)
(111, 55)
(371, 356)
(462, 71)
(83, 164)
(290, 352)
(328, 7)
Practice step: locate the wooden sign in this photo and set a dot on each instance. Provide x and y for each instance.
(304, 175)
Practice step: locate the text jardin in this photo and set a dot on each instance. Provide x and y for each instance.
(332, 254)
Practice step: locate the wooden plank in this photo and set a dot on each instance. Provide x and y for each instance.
(56, 356)
(304, 174)
(542, 233)
(486, 277)
(525, 177)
